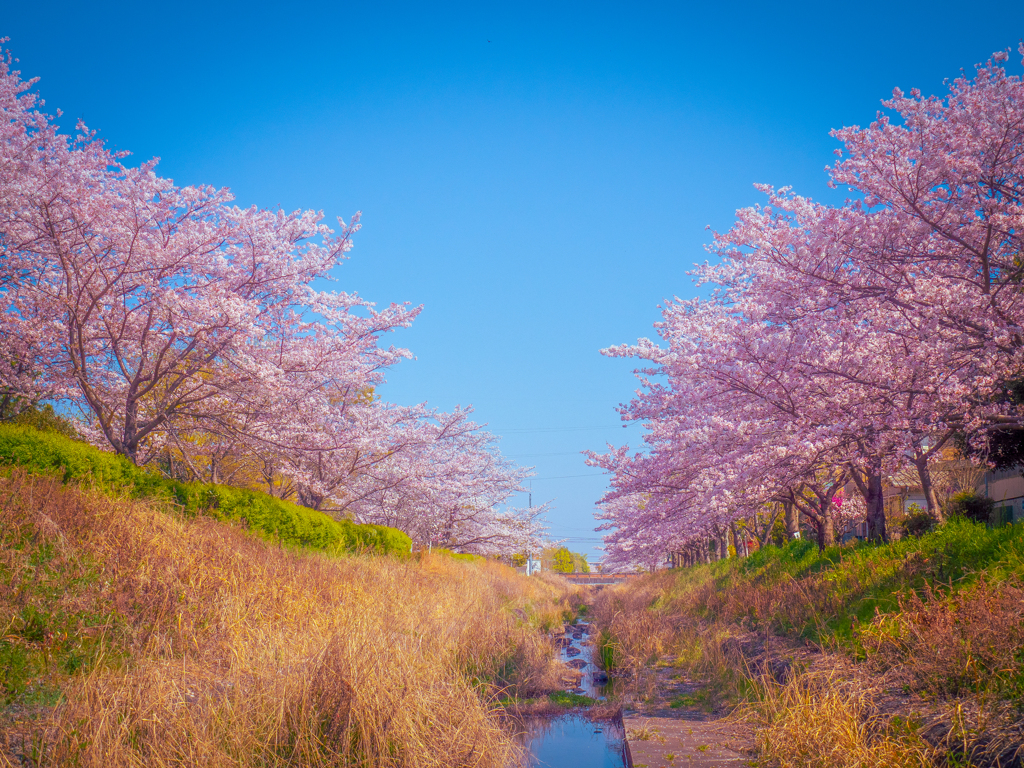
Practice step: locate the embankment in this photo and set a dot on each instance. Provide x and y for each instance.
(274, 519)
(135, 636)
(911, 653)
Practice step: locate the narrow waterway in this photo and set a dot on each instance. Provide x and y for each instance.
(576, 740)
(578, 649)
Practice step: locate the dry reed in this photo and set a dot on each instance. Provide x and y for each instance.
(823, 721)
(969, 642)
(213, 648)
(942, 682)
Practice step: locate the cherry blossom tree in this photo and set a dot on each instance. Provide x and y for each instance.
(437, 476)
(153, 304)
(841, 341)
(196, 335)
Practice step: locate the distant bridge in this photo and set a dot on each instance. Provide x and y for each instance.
(598, 579)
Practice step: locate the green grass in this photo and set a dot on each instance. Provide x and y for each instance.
(606, 650)
(957, 551)
(857, 582)
(40, 638)
(564, 699)
(266, 516)
(699, 700)
(570, 700)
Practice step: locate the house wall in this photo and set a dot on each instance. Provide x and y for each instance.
(899, 498)
(1006, 488)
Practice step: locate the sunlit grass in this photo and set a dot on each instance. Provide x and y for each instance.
(822, 721)
(940, 618)
(175, 642)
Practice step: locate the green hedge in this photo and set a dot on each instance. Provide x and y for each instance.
(265, 515)
(463, 556)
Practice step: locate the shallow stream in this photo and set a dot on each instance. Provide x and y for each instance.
(575, 740)
(578, 648)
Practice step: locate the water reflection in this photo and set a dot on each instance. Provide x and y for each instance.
(575, 740)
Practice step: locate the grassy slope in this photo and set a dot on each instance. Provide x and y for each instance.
(178, 641)
(940, 619)
(838, 598)
(269, 517)
(828, 596)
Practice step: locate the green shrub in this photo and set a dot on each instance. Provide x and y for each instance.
(463, 556)
(972, 506)
(264, 515)
(917, 522)
(53, 453)
(45, 419)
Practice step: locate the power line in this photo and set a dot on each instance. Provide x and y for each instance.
(552, 429)
(563, 477)
(527, 455)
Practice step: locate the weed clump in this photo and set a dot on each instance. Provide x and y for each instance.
(971, 642)
(819, 720)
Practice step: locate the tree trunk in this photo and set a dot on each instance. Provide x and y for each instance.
(869, 483)
(824, 529)
(792, 520)
(819, 532)
(932, 501)
(736, 540)
(820, 513)
(723, 544)
(309, 499)
(875, 502)
(129, 443)
(828, 530)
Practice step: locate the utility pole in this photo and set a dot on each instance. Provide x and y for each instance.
(529, 553)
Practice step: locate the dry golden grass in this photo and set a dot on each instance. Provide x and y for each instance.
(638, 633)
(949, 663)
(216, 649)
(823, 721)
(970, 642)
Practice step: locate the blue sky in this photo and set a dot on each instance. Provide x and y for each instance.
(539, 176)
